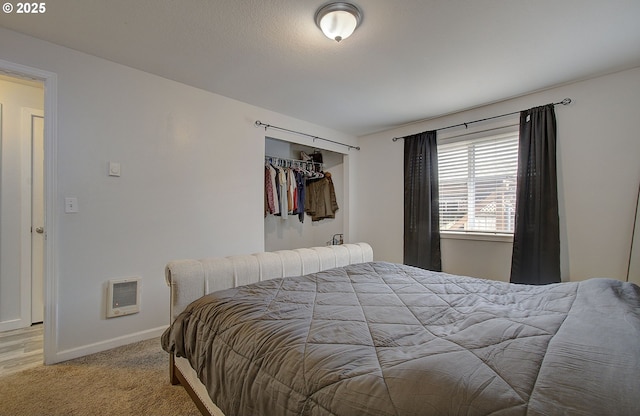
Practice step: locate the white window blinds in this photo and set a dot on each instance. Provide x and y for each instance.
(478, 184)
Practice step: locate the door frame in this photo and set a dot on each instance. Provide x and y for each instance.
(50, 277)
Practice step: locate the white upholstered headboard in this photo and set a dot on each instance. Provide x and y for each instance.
(192, 279)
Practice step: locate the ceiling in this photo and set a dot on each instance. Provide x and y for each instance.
(410, 59)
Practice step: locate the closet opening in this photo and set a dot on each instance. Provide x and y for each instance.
(316, 166)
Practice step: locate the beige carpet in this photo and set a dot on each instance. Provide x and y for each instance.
(129, 380)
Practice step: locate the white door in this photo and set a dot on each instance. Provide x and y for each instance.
(38, 232)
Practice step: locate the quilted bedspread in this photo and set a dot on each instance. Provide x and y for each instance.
(387, 339)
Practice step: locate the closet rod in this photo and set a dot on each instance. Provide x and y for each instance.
(566, 101)
(258, 123)
(271, 158)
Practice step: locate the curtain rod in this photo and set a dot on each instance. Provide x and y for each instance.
(566, 101)
(258, 123)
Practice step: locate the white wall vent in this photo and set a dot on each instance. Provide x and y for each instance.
(123, 297)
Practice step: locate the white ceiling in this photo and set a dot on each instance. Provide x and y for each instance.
(410, 60)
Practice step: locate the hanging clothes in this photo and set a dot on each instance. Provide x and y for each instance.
(269, 191)
(320, 198)
(282, 185)
(286, 189)
(291, 189)
(300, 181)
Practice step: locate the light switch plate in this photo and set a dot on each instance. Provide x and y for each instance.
(71, 205)
(114, 169)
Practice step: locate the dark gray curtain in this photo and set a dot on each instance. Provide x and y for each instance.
(536, 239)
(421, 202)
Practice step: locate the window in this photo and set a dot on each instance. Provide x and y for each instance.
(478, 184)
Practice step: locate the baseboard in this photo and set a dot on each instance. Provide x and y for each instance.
(107, 344)
(13, 324)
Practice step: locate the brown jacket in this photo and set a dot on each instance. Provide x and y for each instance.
(320, 198)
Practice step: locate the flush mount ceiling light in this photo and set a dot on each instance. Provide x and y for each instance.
(338, 20)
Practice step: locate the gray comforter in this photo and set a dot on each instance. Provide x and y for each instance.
(387, 339)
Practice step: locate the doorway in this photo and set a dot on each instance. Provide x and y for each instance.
(22, 241)
(293, 232)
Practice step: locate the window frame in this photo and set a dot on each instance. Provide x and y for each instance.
(505, 127)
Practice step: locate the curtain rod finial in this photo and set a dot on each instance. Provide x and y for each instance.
(566, 101)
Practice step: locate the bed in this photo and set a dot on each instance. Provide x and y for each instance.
(328, 331)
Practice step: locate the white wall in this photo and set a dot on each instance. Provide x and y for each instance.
(191, 185)
(598, 167)
(14, 96)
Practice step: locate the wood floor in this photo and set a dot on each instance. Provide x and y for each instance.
(21, 349)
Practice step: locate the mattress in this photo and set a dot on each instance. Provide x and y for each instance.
(387, 339)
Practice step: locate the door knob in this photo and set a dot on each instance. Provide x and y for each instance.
(40, 230)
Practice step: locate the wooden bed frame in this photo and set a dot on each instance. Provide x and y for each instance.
(192, 279)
